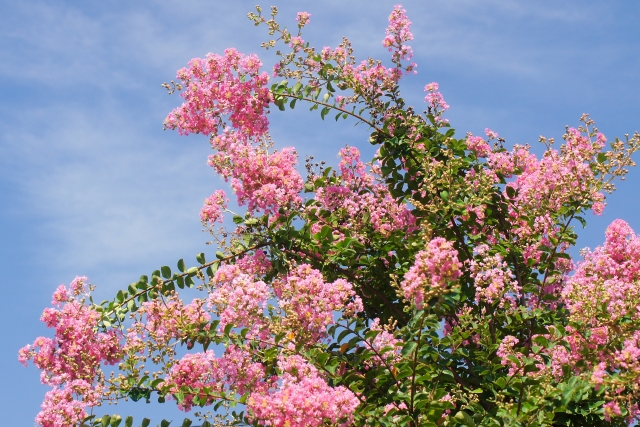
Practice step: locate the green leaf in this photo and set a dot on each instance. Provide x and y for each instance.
(200, 258)
(145, 422)
(219, 255)
(165, 423)
(409, 348)
(128, 422)
(116, 420)
(324, 112)
(106, 419)
(465, 419)
(166, 271)
(186, 423)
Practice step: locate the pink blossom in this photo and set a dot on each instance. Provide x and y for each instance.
(478, 145)
(217, 87)
(165, 319)
(213, 208)
(254, 264)
(385, 345)
(71, 361)
(304, 399)
(397, 33)
(303, 18)
(435, 98)
(296, 43)
(60, 296)
(61, 409)
(611, 409)
(505, 350)
(607, 278)
(195, 370)
(493, 280)
(264, 181)
(309, 301)
(359, 196)
(434, 269)
(239, 300)
(490, 134)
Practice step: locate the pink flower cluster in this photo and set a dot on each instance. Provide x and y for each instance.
(478, 145)
(385, 345)
(605, 286)
(213, 208)
(254, 264)
(505, 350)
(436, 103)
(296, 43)
(197, 371)
(70, 362)
(561, 177)
(303, 18)
(309, 301)
(435, 98)
(267, 181)
(303, 399)
(231, 87)
(397, 33)
(372, 78)
(365, 202)
(493, 280)
(217, 86)
(434, 269)
(165, 320)
(239, 299)
(62, 407)
(264, 181)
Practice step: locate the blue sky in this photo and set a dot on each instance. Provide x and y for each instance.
(91, 185)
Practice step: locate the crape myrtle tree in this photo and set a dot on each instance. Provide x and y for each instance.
(431, 286)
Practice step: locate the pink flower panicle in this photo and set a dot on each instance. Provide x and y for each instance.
(265, 182)
(436, 103)
(71, 361)
(385, 345)
(303, 18)
(166, 319)
(434, 269)
(239, 299)
(397, 33)
(611, 409)
(478, 145)
(218, 87)
(234, 371)
(360, 196)
(213, 208)
(296, 43)
(302, 399)
(195, 370)
(490, 134)
(605, 286)
(493, 280)
(434, 98)
(309, 301)
(254, 264)
(505, 350)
